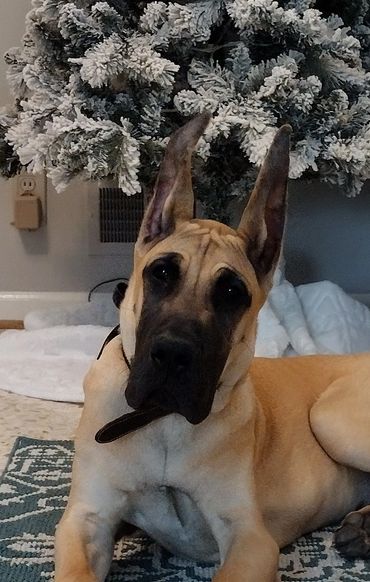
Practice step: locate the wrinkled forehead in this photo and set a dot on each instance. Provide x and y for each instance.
(206, 246)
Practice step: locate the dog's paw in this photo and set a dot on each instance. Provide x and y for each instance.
(352, 539)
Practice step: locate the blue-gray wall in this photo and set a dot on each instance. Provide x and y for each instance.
(328, 236)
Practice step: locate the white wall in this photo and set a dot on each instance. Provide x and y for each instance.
(54, 258)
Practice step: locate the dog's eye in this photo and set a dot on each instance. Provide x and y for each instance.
(230, 292)
(161, 272)
(164, 272)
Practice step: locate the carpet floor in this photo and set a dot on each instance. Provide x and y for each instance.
(34, 491)
(39, 419)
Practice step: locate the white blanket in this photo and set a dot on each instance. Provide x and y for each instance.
(318, 318)
(51, 356)
(49, 363)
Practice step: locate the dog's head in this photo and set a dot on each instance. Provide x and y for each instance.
(189, 316)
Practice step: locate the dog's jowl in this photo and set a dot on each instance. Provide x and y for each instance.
(215, 454)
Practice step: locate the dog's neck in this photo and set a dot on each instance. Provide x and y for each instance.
(236, 369)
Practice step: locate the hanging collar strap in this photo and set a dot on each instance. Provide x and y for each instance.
(127, 423)
(114, 333)
(131, 421)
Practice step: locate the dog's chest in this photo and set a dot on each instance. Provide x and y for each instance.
(159, 494)
(173, 519)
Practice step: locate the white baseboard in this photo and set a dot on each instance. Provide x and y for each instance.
(15, 305)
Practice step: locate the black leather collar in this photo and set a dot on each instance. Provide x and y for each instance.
(127, 423)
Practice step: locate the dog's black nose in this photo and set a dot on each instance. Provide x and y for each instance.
(172, 355)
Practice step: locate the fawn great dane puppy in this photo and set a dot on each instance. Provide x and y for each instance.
(216, 455)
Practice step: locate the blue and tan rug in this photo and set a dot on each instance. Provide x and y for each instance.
(33, 493)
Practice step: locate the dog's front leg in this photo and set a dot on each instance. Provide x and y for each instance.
(252, 556)
(83, 545)
(84, 539)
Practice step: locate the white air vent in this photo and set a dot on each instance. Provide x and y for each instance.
(114, 220)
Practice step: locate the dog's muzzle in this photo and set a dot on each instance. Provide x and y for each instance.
(170, 371)
(172, 356)
(165, 375)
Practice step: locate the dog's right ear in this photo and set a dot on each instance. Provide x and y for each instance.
(173, 198)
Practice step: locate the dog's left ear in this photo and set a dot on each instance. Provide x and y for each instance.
(262, 223)
(173, 198)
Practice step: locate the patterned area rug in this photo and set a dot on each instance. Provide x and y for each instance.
(33, 493)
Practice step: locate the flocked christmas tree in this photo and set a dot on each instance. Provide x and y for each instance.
(99, 86)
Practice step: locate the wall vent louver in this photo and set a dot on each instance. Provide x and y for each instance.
(114, 219)
(119, 215)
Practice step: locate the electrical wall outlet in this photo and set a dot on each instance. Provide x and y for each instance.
(35, 185)
(26, 184)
